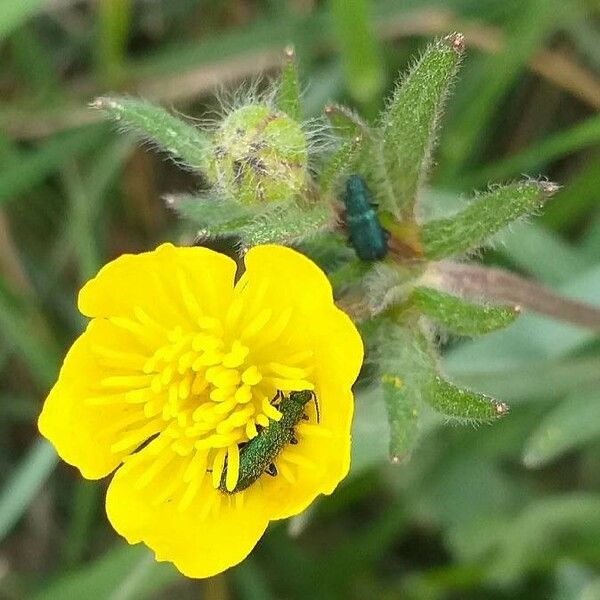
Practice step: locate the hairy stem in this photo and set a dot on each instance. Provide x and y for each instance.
(498, 285)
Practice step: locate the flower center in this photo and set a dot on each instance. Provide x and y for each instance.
(206, 385)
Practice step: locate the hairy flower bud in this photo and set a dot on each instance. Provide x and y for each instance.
(260, 155)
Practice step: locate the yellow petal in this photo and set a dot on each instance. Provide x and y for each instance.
(163, 283)
(81, 431)
(199, 544)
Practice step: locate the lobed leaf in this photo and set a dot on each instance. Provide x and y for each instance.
(288, 93)
(459, 316)
(457, 403)
(485, 216)
(182, 141)
(411, 119)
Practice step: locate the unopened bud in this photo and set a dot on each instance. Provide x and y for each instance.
(260, 155)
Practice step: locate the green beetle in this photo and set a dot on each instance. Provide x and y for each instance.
(257, 455)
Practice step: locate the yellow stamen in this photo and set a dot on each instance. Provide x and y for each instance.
(233, 467)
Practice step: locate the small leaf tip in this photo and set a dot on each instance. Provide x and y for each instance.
(501, 408)
(289, 52)
(456, 41)
(549, 187)
(104, 102)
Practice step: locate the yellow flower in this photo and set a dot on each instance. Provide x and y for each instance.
(178, 367)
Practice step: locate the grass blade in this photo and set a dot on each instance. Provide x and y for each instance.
(24, 483)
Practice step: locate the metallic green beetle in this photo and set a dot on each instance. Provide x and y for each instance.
(257, 455)
(365, 233)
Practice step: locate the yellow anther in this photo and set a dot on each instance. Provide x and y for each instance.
(243, 394)
(236, 356)
(200, 384)
(251, 431)
(262, 420)
(222, 394)
(269, 410)
(251, 376)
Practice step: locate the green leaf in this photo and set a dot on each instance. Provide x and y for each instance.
(288, 92)
(525, 33)
(25, 170)
(24, 483)
(465, 405)
(287, 223)
(573, 423)
(346, 124)
(14, 14)
(182, 141)
(410, 123)
(458, 316)
(212, 216)
(25, 329)
(114, 20)
(551, 148)
(123, 573)
(339, 164)
(359, 47)
(402, 405)
(486, 215)
(407, 362)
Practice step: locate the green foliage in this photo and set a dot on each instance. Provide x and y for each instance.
(25, 483)
(211, 215)
(487, 214)
(346, 124)
(571, 424)
(288, 91)
(458, 316)
(123, 573)
(286, 222)
(72, 198)
(409, 125)
(182, 141)
(465, 405)
(339, 163)
(360, 52)
(403, 416)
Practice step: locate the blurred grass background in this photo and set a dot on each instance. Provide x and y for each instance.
(506, 511)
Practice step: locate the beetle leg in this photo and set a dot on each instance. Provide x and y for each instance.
(271, 470)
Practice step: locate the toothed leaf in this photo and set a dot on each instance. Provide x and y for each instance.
(458, 316)
(403, 416)
(288, 92)
(184, 142)
(464, 405)
(286, 223)
(486, 215)
(410, 123)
